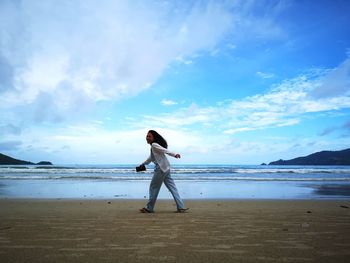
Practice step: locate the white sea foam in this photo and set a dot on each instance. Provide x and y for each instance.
(184, 172)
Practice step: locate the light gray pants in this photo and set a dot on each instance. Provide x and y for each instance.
(158, 178)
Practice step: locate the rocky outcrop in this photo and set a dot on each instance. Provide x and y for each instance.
(320, 158)
(7, 160)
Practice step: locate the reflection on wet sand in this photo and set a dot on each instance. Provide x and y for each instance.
(332, 190)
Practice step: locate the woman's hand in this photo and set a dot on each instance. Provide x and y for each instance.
(177, 156)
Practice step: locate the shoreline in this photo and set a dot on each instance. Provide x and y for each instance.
(170, 199)
(90, 189)
(75, 230)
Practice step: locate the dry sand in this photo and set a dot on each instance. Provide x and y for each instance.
(212, 231)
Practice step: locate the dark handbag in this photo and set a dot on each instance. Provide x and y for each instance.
(140, 168)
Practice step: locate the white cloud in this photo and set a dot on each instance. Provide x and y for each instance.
(79, 52)
(65, 56)
(284, 105)
(9, 145)
(92, 143)
(335, 83)
(167, 102)
(264, 75)
(256, 20)
(181, 60)
(181, 118)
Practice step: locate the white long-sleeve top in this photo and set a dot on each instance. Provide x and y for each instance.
(159, 157)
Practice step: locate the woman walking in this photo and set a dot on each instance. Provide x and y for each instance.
(161, 172)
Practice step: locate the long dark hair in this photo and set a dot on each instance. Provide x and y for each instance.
(158, 139)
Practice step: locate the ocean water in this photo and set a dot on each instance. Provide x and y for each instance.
(193, 182)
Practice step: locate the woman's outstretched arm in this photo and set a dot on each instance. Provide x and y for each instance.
(159, 148)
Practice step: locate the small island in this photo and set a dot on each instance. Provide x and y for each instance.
(7, 160)
(319, 158)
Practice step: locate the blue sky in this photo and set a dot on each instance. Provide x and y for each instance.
(239, 82)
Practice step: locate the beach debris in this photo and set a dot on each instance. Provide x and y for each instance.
(285, 229)
(344, 206)
(309, 212)
(109, 203)
(6, 228)
(119, 195)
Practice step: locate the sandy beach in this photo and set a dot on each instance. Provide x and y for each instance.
(212, 231)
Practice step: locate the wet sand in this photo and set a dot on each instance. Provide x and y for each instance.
(212, 231)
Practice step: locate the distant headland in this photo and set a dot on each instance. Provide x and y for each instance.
(7, 160)
(319, 158)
